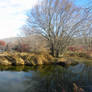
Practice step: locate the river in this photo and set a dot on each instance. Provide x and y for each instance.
(51, 78)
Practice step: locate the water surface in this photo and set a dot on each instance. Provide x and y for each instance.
(45, 78)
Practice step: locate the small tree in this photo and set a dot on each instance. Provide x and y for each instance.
(2, 43)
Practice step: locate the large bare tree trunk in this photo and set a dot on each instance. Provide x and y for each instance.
(52, 50)
(57, 53)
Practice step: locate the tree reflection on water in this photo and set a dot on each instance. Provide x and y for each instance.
(59, 79)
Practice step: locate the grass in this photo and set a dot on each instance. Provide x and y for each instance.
(79, 57)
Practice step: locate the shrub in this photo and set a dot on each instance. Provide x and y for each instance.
(72, 48)
(83, 55)
(2, 43)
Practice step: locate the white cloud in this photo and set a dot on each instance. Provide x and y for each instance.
(12, 15)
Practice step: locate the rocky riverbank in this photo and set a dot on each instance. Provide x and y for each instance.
(16, 58)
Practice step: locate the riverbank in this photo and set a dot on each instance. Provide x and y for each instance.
(30, 59)
(16, 58)
(80, 57)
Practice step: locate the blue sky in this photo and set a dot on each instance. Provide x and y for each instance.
(81, 2)
(13, 15)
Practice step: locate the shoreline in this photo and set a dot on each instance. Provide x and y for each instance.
(30, 59)
(35, 59)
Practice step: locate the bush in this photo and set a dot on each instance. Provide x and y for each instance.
(72, 54)
(83, 55)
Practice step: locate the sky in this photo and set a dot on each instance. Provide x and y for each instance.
(13, 15)
(81, 2)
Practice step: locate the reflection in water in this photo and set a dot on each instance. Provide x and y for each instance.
(45, 78)
(49, 79)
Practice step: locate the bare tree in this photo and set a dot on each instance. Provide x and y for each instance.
(86, 27)
(58, 21)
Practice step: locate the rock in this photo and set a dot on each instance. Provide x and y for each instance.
(61, 63)
(27, 59)
(62, 60)
(35, 59)
(4, 61)
(18, 60)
